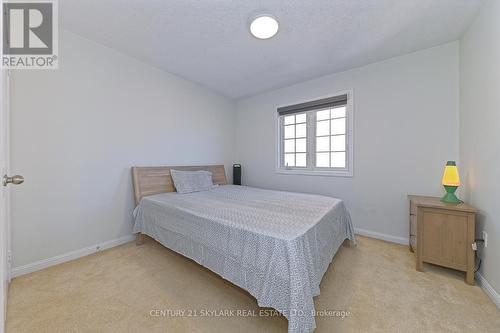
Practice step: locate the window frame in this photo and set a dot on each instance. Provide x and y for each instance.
(310, 169)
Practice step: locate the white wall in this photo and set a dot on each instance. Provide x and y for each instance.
(405, 128)
(76, 132)
(480, 129)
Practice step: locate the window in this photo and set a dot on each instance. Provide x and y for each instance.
(315, 137)
(295, 140)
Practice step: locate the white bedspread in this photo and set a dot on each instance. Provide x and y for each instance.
(276, 245)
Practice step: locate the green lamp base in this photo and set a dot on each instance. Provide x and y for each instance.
(450, 196)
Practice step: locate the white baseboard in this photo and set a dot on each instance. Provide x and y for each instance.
(488, 289)
(378, 235)
(38, 265)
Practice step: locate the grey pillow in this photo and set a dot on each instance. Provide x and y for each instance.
(192, 181)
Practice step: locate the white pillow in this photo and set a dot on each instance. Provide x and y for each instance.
(192, 181)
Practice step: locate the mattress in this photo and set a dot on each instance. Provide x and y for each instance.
(276, 245)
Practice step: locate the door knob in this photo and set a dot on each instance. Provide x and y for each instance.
(16, 180)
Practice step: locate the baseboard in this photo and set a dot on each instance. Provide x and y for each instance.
(378, 235)
(488, 289)
(38, 265)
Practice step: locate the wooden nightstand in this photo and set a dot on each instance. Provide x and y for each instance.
(443, 234)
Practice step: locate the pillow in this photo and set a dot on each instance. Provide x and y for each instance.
(192, 181)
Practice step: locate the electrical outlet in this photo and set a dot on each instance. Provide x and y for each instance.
(485, 238)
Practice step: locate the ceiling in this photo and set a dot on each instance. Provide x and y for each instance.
(208, 42)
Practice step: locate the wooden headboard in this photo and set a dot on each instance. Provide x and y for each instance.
(155, 180)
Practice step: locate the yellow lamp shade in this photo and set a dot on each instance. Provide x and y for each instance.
(450, 176)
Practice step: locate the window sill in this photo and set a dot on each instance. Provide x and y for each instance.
(315, 173)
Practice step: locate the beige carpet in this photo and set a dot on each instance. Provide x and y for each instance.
(115, 291)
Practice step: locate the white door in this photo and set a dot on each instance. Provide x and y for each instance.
(4, 270)
(5, 180)
(4, 190)
(4, 200)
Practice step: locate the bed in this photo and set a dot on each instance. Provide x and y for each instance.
(275, 245)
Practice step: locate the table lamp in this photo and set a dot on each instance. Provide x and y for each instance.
(451, 181)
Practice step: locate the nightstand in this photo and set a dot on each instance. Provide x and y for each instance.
(443, 234)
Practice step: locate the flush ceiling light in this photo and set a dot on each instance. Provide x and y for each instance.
(264, 26)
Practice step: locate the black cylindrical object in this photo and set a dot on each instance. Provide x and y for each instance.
(236, 174)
